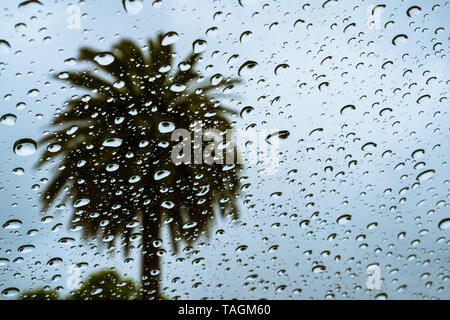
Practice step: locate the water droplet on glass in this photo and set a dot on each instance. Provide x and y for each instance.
(246, 68)
(161, 174)
(18, 171)
(112, 142)
(104, 58)
(199, 46)
(10, 292)
(8, 119)
(12, 224)
(177, 87)
(54, 147)
(283, 134)
(444, 224)
(133, 7)
(166, 126)
(81, 202)
(25, 147)
(4, 47)
(425, 175)
(169, 38)
(344, 219)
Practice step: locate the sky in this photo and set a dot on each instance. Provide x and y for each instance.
(366, 115)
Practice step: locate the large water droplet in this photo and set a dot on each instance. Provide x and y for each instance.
(169, 38)
(166, 126)
(246, 67)
(112, 142)
(199, 46)
(444, 224)
(133, 7)
(8, 119)
(81, 202)
(425, 175)
(104, 58)
(25, 147)
(177, 87)
(4, 47)
(10, 292)
(283, 134)
(12, 224)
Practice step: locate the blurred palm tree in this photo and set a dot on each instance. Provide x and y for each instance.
(113, 149)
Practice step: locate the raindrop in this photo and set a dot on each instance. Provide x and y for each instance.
(104, 58)
(414, 9)
(134, 179)
(169, 38)
(283, 134)
(344, 219)
(199, 46)
(216, 79)
(54, 147)
(245, 36)
(246, 110)
(112, 142)
(133, 7)
(177, 87)
(161, 174)
(33, 92)
(54, 262)
(368, 146)
(8, 119)
(81, 202)
(166, 126)
(425, 175)
(12, 224)
(246, 66)
(318, 269)
(400, 38)
(241, 248)
(10, 292)
(347, 107)
(4, 47)
(26, 248)
(418, 153)
(444, 224)
(112, 167)
(189, 225)
(25, 147)
(18, 171)
(281, 67)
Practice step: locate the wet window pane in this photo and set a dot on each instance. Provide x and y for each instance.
(224, 149)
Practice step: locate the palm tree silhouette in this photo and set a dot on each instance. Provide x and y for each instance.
(113, 146)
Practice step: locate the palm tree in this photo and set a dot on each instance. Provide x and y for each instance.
(113, 148)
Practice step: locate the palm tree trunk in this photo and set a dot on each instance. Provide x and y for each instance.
(150, 259)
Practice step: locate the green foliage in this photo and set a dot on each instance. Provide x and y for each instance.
(40, 294)
(105, 285)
